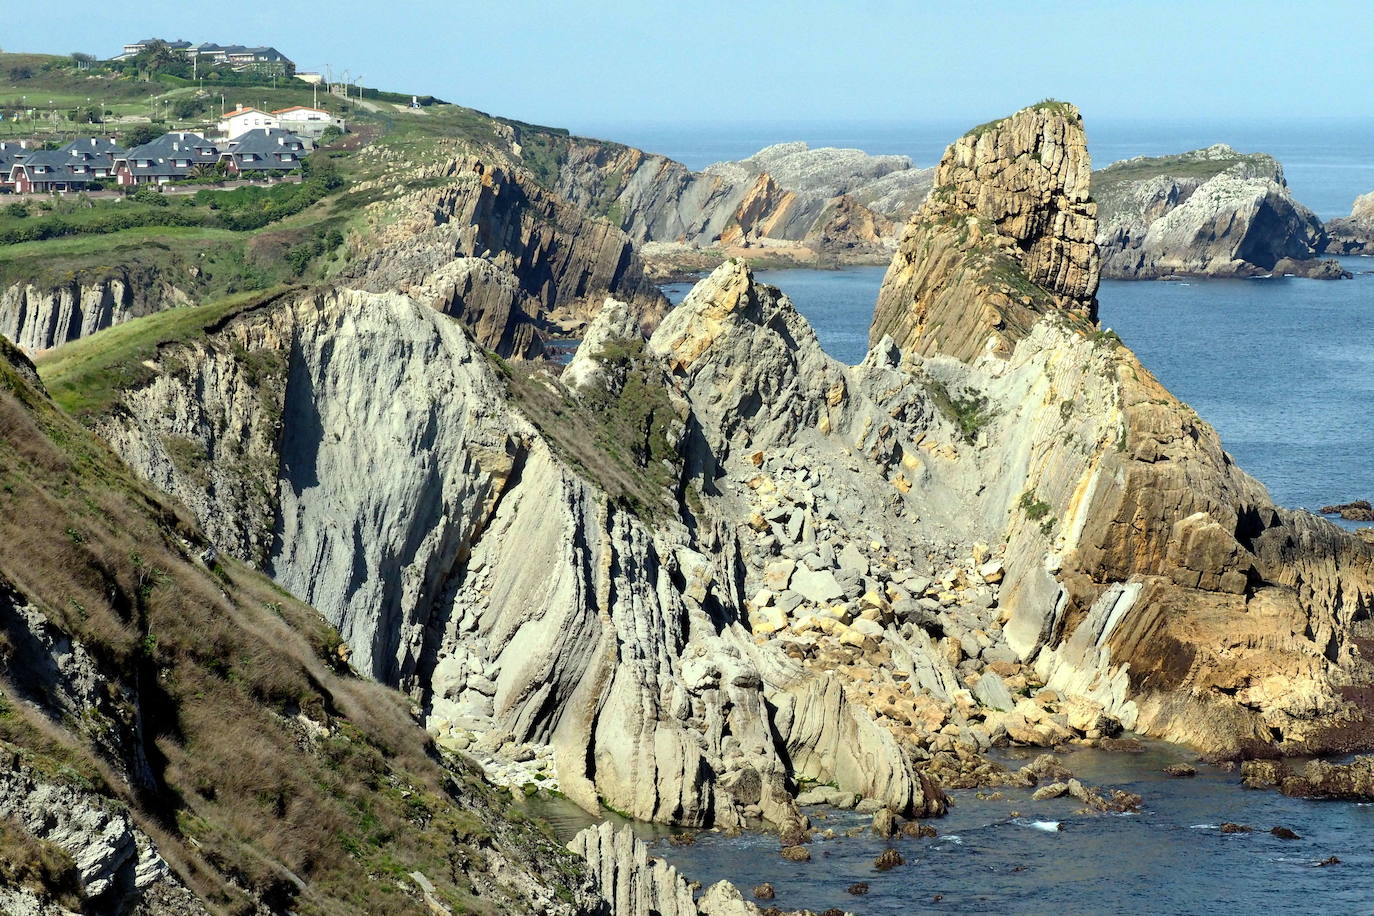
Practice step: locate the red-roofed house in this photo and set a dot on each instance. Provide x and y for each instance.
(241, 120)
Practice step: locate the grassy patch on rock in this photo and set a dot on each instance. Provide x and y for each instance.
(86, 376)
(622, 438)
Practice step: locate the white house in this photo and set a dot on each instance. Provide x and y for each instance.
(241, 120)
(307, 122)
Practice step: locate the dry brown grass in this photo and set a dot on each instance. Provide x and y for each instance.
(277, 776)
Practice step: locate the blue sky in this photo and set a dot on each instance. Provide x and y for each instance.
(587, 64)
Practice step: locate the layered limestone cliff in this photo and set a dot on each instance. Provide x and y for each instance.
(182, 737)
(40, 316)
(788, 197)
(1143, 569)
(1353, 234)
(1209, 212)
(475, 558)
(703, 572)
(509, 259)
(634, 883)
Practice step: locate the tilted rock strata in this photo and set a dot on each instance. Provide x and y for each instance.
(464, 560)
(1353, 234)
(548, 258)
(633, 882)
(1143, 569)
(830, 199)
(1210, 212)
(40, 317)
(1011, 225)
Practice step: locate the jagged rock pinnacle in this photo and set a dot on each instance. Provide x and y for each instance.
(1007, 235)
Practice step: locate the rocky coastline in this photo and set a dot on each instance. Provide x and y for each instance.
(706, 574)
(1354, 234)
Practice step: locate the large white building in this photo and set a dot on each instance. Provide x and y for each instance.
(241, 120)
(307, 122)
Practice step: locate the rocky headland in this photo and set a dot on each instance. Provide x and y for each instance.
(1353, 234)
(1209, 212)
(787, 204)
(705, 570)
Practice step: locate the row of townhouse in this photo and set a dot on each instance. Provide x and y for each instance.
(171, 157)
(236, 56)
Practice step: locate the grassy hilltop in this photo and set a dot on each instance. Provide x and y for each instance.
(218, 243)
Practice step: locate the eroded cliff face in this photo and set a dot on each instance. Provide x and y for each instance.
(1353, 234)
(1209, 212)
(38, 317)
(633, 882)
(547, 260)
(183, 737)
(1010, 226)
(468, 559)
(786, 197)
(1144, 570)
(701, 570)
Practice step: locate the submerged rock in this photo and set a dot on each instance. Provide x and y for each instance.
(887, 859)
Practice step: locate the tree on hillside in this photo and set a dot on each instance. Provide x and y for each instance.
(156, 56)
(140, 134)
(82, 61)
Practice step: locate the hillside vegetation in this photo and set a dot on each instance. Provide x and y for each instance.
(232, 727)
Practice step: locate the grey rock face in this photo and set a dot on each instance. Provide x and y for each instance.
(1353, 234)
(615, 322)
(634, 883)
(36, 317)
(786, 192)
(1213, 212)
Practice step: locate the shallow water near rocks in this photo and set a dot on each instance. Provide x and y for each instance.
(1006, 856)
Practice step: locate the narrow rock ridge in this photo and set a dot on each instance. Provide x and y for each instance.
(1209, 212)
(634, 883)
(1010, 218)
(37, 316)
(1353, 234)
(549, 262)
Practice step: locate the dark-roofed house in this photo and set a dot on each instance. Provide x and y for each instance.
(92, 156)
(74, 167)
(265, 150)
(11, 151)
(45, 170)
(171, 157)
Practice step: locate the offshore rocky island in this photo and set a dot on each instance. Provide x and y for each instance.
(355, 530)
